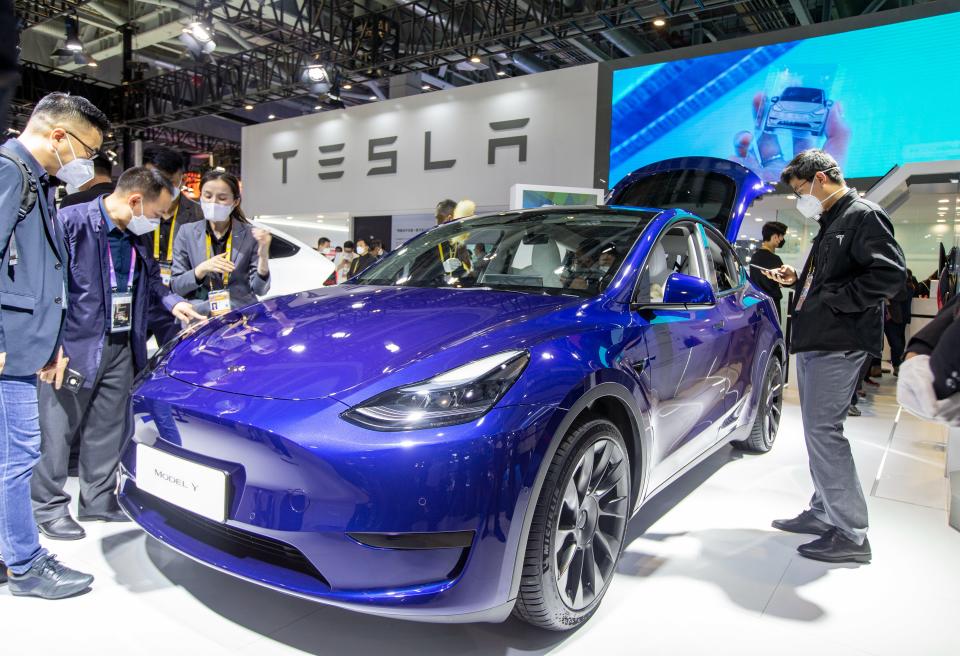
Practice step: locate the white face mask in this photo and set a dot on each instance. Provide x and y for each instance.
(361, 250)
(809, 205)
(141, 225)
(77, 172)
(215, 211)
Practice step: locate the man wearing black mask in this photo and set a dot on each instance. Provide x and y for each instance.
(774, 237)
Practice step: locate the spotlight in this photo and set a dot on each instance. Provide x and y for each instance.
(271, 117)
(475, 59)
(659, 22)
(317, 108)
(373, 97)
(316, 73)
(248, 107)
(347, 86)
(426, 87)
(198, 36)
(72, 46)
(501, 73)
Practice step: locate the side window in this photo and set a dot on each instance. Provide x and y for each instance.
(280, 247)
(723, 271)
(674, 251)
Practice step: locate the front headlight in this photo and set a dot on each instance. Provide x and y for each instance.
(455, 397)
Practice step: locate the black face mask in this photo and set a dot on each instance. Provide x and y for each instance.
(781, 244)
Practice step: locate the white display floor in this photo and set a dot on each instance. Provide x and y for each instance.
(704, 574)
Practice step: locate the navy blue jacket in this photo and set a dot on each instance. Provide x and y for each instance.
(31, 292)
(88, 310)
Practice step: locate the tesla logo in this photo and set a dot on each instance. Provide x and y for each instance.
(379, 152)
(174, 480)
(839, 240)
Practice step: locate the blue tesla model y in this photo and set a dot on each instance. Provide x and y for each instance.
(465, 429)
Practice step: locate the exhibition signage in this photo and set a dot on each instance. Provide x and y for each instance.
(402, 156)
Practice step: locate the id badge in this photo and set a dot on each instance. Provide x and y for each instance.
(121, 312)
(166, 273)
(219, 302)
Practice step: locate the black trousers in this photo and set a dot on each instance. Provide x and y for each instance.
(897, 338)
(99, 420)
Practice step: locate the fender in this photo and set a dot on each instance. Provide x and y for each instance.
(641, 440)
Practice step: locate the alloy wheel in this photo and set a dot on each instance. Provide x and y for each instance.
(591, 523)
(774, 405)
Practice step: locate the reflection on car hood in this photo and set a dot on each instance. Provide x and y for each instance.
(799, 106)
(314, 344)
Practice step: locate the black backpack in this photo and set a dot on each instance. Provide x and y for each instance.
(28, 198)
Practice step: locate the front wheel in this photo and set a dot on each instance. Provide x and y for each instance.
(578, 528)
(763, 433)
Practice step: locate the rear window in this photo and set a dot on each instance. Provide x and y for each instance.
(706, 194)
(280, 248)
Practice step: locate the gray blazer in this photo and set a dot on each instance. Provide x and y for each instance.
(190, 249)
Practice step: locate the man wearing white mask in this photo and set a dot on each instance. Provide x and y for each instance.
(929, 383)
(113, 280)
(63, 134)
(855, 264)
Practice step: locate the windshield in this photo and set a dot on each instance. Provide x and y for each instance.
(557, 252)
(801, 94)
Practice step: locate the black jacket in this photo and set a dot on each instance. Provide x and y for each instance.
(84, 197)
(940, 339)
(857, 265)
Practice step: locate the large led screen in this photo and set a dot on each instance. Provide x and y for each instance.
(873, 98)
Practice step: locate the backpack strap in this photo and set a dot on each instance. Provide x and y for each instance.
(28, 198)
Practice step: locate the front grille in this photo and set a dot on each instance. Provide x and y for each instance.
(234, 541)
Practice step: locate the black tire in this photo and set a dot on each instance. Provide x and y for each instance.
(599, 521)
(763, 433)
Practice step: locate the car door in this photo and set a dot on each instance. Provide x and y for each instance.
(740, 314)
(684, 350)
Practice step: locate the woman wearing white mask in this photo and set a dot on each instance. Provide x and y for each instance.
(222, 263)
(929, 382)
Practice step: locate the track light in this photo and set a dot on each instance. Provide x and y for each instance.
(659, 22)
(72, 46)
(315, 77)
(475, 59)
(347, 86)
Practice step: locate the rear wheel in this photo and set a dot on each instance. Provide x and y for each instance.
(578, 528)
(765, 426)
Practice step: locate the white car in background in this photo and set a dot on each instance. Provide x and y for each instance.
(294, 266)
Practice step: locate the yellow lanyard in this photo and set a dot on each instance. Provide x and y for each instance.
(156, 239)
(226, 276)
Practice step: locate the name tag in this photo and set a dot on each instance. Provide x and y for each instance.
(166, 273)
(219, 302)
(121, 312)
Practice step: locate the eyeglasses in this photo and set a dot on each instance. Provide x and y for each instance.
(92, 152)
(797, 189)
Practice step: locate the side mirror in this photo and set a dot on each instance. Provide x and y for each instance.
(681, 289)
(775, 100)
(829, 103)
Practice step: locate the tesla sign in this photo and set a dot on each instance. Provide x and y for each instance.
(404, 155)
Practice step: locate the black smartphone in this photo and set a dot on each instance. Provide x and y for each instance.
(72, 380)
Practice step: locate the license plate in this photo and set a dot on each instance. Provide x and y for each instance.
(191, 486)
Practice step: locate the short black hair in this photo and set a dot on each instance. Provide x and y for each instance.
(149, 182)
(772, 228)
(349, 244)
(167, 160)
(810, 162)
(376, 244)
(323, 240)
(445, 208)
(102, 165)
(56, 107)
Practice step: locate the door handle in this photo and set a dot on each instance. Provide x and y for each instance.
(641, 365)
(719, 324)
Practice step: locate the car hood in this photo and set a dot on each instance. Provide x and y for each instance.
(320, 343)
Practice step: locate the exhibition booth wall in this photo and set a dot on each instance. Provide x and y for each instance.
(402, 156)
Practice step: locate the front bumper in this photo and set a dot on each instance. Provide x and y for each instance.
(301, 480)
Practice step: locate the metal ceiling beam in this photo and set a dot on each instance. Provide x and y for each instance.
(390, 41)
(32, 12)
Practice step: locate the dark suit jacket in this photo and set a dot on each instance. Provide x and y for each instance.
(31, 292)
(88, 312)
(190, 249)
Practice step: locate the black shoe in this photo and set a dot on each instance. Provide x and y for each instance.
(62, 528)
(116, 515)
(3, 572)
(854, 411)
(805, 522)
(48, 579)
(835, 547)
